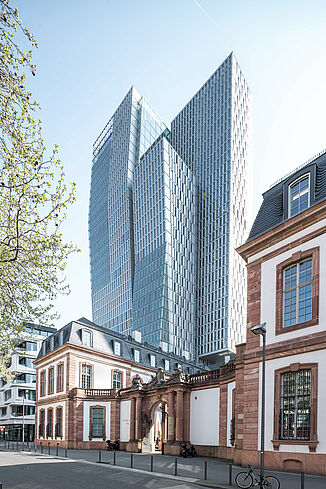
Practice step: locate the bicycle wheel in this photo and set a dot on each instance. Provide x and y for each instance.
(272, 482)
(244, 480)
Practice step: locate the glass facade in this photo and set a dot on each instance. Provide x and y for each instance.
(131, 130)
(164, 288)
(167, 210)
(212, 135)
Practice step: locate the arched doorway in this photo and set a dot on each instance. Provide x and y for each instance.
(157, 433)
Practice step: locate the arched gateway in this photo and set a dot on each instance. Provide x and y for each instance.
(157, 421)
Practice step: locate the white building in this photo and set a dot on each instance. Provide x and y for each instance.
(17, 397)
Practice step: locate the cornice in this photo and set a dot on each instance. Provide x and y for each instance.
(284, 230)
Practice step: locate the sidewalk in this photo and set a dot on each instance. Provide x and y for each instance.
(190, 469)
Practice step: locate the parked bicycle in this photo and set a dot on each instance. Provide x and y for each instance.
(251, 479)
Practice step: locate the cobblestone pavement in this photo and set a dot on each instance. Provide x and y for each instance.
(190, 471)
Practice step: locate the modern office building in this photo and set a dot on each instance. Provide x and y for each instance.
(17, 396)
(167, 209)
(212, 135)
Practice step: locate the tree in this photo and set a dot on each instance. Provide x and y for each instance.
(33, 196)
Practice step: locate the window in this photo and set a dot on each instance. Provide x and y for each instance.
(295, 416)
(60, 377)
(41, 424)
(58, 425)
(49, 427)
(27, 394)
(136, 355)
(51, 381)
(299, 196)
(3, 411)
(51, 343)
(166, 365)
(86, 376)
(7, 395)
(28, 362)
(117, 348)
(295, 405)
(153, 360)
(97, 422)
(116, 380)
(297, 291)
(61, 337)
(42, 384)
(87, 338)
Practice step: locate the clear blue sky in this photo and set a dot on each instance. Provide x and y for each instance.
(90, 53)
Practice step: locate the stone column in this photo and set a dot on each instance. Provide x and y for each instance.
(179, 417)
(138, 419)
(186, 416)
(132, 418)
(171, 417)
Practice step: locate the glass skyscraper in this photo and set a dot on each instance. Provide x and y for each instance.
(167, 209)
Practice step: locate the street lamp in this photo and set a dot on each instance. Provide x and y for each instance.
(260, 329)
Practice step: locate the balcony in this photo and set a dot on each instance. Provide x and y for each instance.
(101, 392)
(93, 393)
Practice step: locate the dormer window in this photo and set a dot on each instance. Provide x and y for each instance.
(136, 356)
(153, 361)
(117, 348)
(299, 195)
(87, 338)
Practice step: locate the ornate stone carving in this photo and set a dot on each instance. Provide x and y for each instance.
(136, 383)
(178, 377)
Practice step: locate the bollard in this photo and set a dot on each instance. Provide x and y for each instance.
(41, 447)
(176, 466)
(302, 480)
(114, 454)
(57, 450)
(152, 463)
(66, 453)
(17, 446)
(99, 457)
(49, 450)
(131, 460)
(230, 474)
(205, 471)
(23, 449)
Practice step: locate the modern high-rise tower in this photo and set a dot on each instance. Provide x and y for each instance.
(167, 210)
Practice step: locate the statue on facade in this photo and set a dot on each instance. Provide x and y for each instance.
(136, 383)
(178, 376)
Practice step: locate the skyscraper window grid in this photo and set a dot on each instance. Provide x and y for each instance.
(212, 135)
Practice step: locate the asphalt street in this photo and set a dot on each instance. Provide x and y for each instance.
(30, 470)
(20, 470)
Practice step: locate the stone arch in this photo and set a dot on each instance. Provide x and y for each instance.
(155, 421)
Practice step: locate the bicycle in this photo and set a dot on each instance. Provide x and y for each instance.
(250, 479)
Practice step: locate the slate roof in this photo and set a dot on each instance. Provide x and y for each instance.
(274, 208)
(103, 341)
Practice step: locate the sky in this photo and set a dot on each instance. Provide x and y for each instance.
(90, 53)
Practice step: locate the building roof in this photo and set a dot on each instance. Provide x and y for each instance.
(274, 208)
(103, 341)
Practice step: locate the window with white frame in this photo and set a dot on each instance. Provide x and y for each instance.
(86, 376)
(117, 348)
(153, 361)
(166, 365)
(87, 338)
(297, 293)
(116, 380)
(136, 356)
(299, 195)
